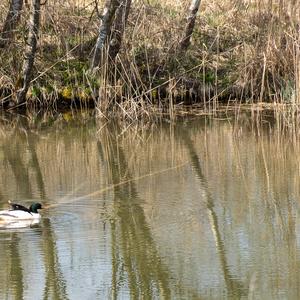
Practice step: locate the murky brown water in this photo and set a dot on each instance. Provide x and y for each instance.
(200, 209)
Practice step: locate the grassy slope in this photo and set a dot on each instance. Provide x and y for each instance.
(245, 50)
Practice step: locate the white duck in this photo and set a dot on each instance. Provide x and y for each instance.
(20, 212)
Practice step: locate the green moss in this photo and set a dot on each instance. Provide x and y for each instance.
(35, 91)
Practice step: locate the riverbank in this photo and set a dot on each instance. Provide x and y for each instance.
(244, 52)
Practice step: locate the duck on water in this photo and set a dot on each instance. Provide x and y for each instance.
(20, 212)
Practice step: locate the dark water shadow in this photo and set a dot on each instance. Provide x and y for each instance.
(131, 231)
(134, 252)
(55, 285)
(16, 270)
(24, 140)
(235, 288)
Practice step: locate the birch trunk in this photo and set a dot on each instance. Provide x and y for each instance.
(104, 31)
(119, 28)
(11, 21)
(30, 50)
(191, 19)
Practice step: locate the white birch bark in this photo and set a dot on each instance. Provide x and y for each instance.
(191, 19)
(30, 49)
(104, 31)
(119, 28)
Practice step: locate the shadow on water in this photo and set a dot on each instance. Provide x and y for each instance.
(55, 285)
(16, 271)
(21, 130)
(19, 170)
(234, 287)
(138, 260)
(22, 180)
(133, 248)
(31, 141)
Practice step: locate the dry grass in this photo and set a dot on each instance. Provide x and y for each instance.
(242, 51)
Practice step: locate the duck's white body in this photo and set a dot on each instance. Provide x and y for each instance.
(19, 216)
(18, 224)
(14, 215)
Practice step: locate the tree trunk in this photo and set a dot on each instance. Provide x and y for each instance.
(11, 21)
(185, 42)
(118, 30)
(30, 50)
(104, 30)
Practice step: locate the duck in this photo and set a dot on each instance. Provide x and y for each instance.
(19, 212)
(19, 224)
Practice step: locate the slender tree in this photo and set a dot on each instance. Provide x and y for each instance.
(119, 28)
(11, 21)
(107, 19)
(30, 50)
(191, 19)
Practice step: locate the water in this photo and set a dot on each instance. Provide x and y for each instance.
(200, 209)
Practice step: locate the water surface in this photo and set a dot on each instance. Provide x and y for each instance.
(199, 209)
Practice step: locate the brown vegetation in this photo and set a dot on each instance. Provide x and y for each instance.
(242, 51)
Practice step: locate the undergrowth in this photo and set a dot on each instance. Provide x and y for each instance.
(241, 52)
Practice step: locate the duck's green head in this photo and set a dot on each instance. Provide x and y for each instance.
(34, 207)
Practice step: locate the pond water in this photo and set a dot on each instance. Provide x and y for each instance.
(198, 209)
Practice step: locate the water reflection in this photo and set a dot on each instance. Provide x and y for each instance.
(16, 271)
(199, 209)
(234, 286)
(134, 253)
(55, 285)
